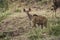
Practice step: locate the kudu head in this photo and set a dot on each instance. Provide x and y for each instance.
(36, 19)
(27, 12)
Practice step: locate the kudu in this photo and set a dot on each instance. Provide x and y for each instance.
(56, 4)
(36, 19)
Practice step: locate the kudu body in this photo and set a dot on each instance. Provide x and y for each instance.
(37, 19)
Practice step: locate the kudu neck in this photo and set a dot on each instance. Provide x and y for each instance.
(29, 15)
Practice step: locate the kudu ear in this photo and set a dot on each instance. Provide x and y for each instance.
(29, 9)
(24, 10)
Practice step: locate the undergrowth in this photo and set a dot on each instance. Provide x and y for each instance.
(51, 31)
(3, 16)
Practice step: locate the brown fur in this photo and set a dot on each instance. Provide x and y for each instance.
(39, 20)
(56, 4)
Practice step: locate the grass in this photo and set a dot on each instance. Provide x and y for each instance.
(43, 2)
(3, 16)
(37, 34)
(50, 32)
(4, 36)
(7, 38)
(55, 30)
(17, 10)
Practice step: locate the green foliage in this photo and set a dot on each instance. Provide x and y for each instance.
(17, 10)
(52, 30)
(3, 16)
(7, 38)
(4, 36)
(55, 30)
(42, 2)
(37, 34)
(34, 35)
(58, 21)
(4, 4)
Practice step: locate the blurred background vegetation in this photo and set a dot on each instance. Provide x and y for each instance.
(4, 4)
(8, 7)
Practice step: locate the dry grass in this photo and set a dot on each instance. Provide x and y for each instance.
(18, 20)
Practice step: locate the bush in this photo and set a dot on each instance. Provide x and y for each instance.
(37, 34)
(41, 34)
(55, 30)
(4, 5)
(3, 36)
(3, 16)
(17, 10)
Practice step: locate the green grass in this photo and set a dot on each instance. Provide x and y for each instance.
(3, 16)
(43, 2)
(4, 36)
(17, 10)
(52, 30)
(37, 34)
(55, 30)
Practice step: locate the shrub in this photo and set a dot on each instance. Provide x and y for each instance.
(4, 4)
(55, 30)
(37, 34)
(3, 16)
(17, 10)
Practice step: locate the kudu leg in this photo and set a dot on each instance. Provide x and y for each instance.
(42, 26)
(34, 25)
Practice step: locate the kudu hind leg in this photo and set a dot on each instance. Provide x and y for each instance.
(41, 26)
(34, 24)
